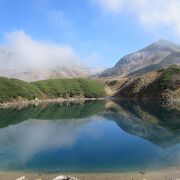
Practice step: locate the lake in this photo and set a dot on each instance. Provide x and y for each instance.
(90, 136)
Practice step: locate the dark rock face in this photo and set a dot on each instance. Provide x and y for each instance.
(153, 57)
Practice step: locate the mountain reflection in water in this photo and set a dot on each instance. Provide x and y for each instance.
(90, 136)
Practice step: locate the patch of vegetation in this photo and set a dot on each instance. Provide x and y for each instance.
(91, 88)
(71, 88)
(112, 83)
(167, 77)
(13, 89)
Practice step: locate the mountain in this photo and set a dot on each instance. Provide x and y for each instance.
(156, 56)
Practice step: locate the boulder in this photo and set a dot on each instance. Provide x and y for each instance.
(21, 178)
(62, 177)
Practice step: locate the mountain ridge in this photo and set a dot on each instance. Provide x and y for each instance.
(159, 54)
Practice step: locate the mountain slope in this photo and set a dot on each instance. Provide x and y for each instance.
(164, 84)
(156, 56)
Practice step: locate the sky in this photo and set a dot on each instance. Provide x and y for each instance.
(97, 33)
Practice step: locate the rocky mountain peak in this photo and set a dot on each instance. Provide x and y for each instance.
(162, 44)
(157, 55)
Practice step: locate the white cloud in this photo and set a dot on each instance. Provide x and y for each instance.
(151, 13)
(21, 51)
(162, 13)
(25, 58)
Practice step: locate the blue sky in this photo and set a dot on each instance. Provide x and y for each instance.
(100, 32)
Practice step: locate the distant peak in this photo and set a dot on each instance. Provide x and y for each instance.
(165, 42)
(162, 41)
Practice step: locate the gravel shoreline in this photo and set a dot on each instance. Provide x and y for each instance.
(25, 103)
(167, 174)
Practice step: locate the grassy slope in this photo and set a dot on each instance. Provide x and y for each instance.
(71, 87)
(12, 89)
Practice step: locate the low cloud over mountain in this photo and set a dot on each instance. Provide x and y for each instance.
(28, 59)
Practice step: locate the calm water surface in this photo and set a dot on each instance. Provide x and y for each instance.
(91, 136)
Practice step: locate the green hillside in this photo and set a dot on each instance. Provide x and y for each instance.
(13, 89)
(71, 87)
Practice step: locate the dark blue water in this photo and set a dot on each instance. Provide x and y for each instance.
(90, 137)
